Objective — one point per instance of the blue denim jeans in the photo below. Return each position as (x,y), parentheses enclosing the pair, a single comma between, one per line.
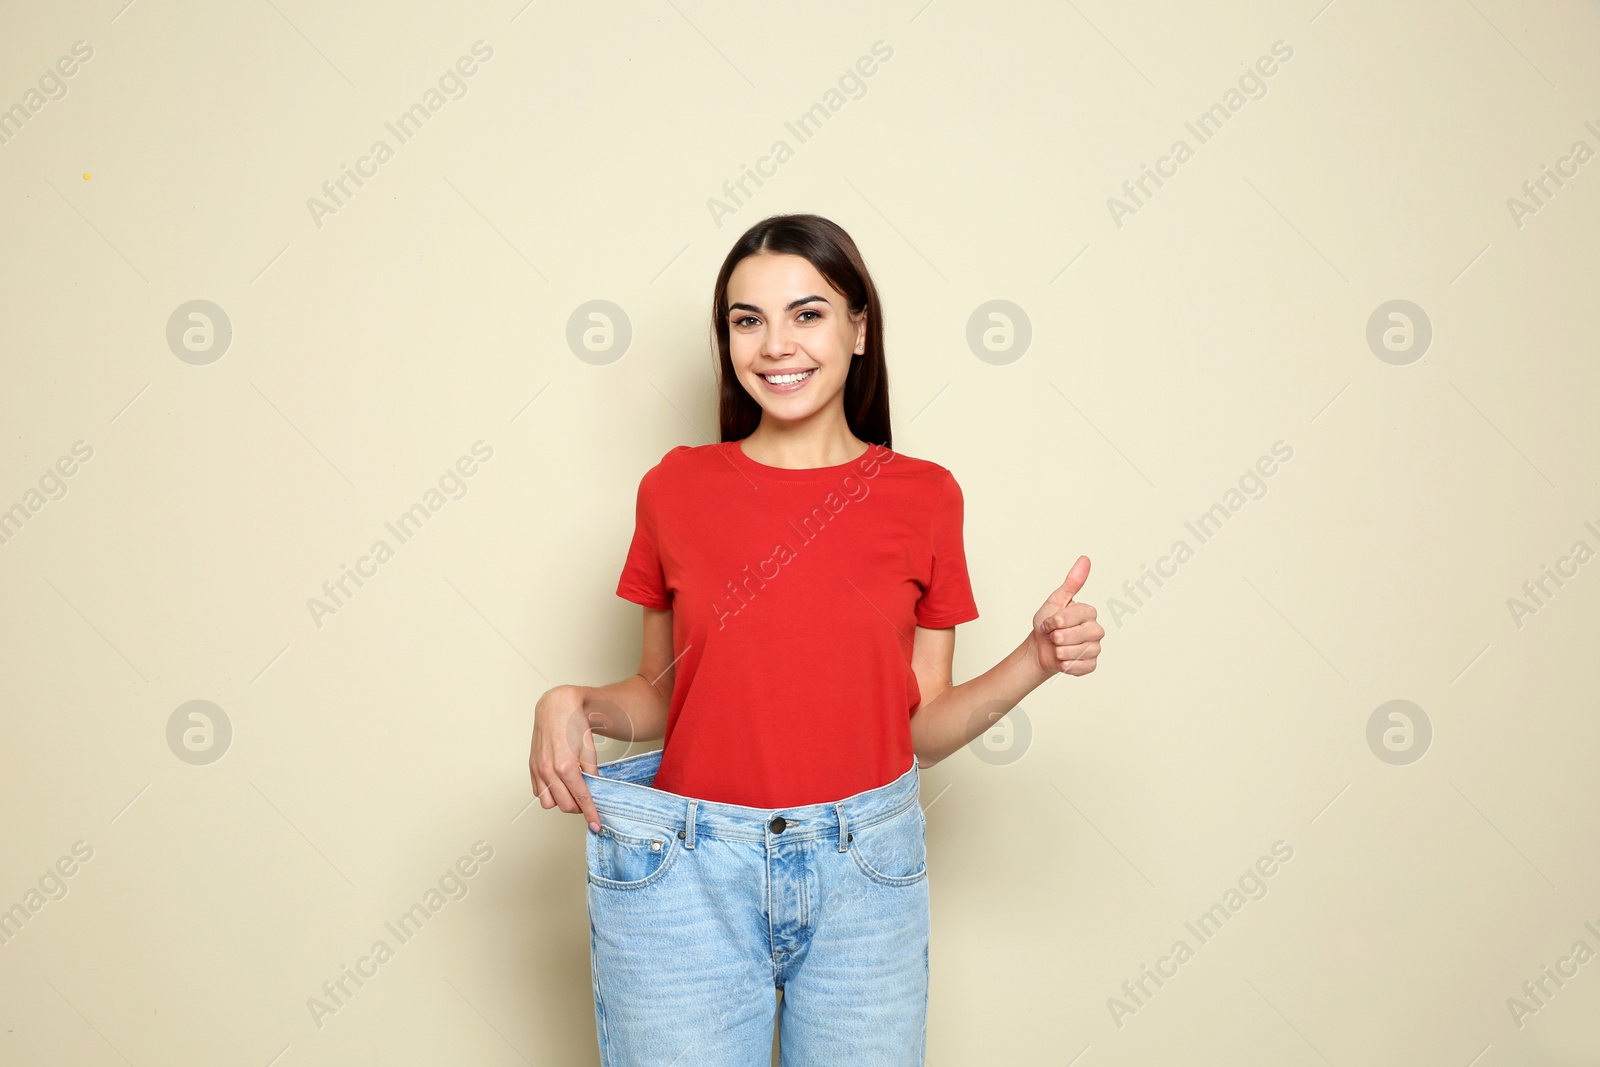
(699,911)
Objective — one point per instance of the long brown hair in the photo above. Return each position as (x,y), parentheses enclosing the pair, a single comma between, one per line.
(829,249)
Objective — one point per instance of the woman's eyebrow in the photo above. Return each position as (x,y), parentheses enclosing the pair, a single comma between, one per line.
(788,307)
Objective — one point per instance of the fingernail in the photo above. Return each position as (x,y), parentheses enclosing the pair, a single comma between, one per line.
(595,827)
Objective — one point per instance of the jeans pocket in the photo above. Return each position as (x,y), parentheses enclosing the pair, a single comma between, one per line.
(894,851)
(628,853)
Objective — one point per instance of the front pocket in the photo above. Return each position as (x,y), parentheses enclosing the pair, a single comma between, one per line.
(894,851)
(628,854)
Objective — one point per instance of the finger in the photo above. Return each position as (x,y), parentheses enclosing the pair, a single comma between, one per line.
(541,787)
(547,795)
(1072,615)
(1061,596)
(1072,654)
(588,761)
(1077,635)
(579,740)
(558,789)
(1075,578)
(573,780)
(577,737)
(1058,618)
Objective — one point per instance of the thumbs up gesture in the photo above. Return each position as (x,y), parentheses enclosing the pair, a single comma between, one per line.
(1066,639)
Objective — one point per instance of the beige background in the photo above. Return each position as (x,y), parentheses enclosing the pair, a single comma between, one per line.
(1228,312)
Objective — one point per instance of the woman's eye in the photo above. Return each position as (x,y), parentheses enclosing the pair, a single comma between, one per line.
(810,311)
(740,322)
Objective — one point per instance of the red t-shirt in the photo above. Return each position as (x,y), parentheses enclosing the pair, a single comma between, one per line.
(795,597)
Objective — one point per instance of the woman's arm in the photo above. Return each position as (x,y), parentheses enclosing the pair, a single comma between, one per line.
(1065,640)
(635,709)
(950,716)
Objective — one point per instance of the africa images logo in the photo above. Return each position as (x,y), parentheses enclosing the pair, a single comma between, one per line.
(811,525)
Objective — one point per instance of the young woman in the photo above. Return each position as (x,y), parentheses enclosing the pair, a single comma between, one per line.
(801,583)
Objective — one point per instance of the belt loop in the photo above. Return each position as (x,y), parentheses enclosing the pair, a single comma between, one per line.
(688,839)
(844,830)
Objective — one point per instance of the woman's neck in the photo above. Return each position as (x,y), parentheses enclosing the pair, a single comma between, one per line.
(800,449)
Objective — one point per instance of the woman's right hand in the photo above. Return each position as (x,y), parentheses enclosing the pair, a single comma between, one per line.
(563,747)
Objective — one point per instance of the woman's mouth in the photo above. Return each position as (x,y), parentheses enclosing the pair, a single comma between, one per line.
(788,381)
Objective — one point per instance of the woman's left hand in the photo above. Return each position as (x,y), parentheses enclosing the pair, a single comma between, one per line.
(1066,639)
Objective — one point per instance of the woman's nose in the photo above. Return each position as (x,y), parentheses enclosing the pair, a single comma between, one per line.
(778,341)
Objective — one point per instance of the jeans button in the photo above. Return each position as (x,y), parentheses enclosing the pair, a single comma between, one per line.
(777,824)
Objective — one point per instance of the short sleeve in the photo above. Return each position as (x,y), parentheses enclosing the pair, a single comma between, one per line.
(643,580)
(948,598)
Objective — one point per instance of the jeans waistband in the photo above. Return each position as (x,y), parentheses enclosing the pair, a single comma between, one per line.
(622,788)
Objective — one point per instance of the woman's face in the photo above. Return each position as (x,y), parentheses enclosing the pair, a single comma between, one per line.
(785,319)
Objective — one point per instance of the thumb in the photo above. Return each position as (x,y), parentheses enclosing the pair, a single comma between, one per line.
(1075,579)
(1063,594)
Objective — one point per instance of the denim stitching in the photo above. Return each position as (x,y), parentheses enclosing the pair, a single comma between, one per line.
(650,879)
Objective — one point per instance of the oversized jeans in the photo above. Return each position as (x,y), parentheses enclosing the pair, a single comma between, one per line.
(699,911)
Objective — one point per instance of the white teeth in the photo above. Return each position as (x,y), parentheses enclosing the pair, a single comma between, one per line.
(788,379)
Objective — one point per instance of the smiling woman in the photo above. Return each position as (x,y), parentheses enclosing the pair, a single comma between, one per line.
(786,329)
(787,785)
